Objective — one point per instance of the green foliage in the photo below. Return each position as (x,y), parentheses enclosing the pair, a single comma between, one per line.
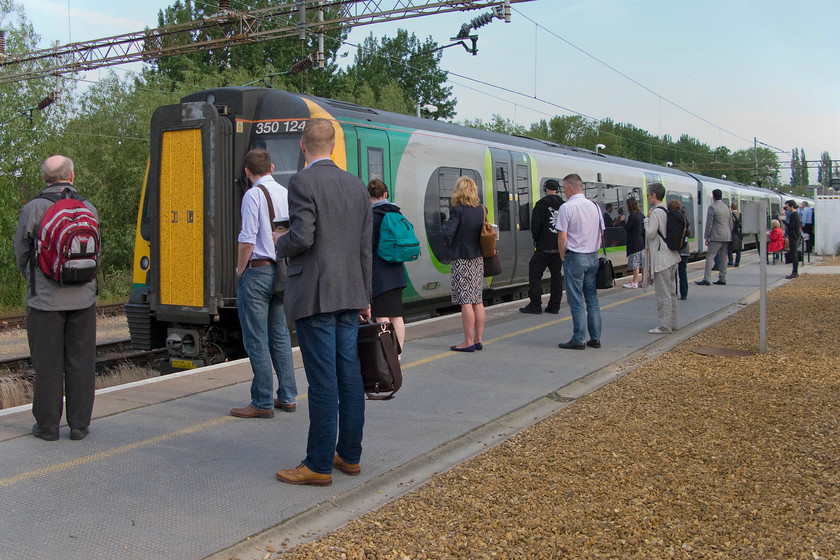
(825,171)
(403,61)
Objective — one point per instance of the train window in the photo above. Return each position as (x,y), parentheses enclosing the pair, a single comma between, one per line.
(523,193)
(503,196)
(614,207)
(652,178)
(285,155)
(436,205)
(376,163)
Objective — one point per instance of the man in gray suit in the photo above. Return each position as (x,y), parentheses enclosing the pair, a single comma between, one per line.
(329,285)
(718,235)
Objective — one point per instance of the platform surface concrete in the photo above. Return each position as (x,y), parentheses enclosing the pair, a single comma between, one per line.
(167,473)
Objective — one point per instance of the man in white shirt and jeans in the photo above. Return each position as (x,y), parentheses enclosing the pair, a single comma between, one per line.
(580,225)
(264,331)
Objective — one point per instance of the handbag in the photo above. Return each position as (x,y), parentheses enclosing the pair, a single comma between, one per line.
(488,237)
(606,277)
(492,266)
(378,349)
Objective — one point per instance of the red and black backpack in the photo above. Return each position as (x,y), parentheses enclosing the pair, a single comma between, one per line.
(67,246)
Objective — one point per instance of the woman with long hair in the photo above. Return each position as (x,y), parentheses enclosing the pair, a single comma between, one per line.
(461,233)
(635,227)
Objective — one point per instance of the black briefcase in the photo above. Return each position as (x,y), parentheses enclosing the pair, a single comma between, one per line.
(378,353)
(606,276)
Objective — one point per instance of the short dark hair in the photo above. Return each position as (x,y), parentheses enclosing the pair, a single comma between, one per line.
(377,189)
(258,162)
(551,185)
(717,194)
(658,190)
(791,203)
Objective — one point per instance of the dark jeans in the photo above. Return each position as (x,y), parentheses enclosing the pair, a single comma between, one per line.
(336,391)
(541,260)
(63,348)
(729,253)
(794,254)
(581,280)
(682,276)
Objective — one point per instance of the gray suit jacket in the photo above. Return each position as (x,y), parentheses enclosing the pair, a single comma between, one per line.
(329,242)
(718,222)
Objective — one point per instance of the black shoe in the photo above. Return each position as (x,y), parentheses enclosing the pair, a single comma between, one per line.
(572,345)
(532,309)
(792,275)
(735,265)
(703,283)
(593,343)
(715,268)
(79,433)
(553,309)
(719,283)
(684,298)
(41,434)
(730,264)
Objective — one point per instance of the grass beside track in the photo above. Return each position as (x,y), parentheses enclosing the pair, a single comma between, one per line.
(687,456)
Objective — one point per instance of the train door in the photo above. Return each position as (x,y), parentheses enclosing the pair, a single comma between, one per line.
(512,213)
(374,156)
(189,176)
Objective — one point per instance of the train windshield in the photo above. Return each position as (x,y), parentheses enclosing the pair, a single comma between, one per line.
(285,155)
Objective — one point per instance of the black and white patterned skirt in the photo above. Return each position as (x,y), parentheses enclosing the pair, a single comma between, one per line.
(467,280)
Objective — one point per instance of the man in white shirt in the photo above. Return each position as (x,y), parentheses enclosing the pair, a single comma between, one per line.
(580,226)
(264,331)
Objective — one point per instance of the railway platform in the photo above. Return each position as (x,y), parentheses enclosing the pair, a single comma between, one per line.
(167,473)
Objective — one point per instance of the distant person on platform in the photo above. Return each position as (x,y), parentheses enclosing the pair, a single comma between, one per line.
(662,261)
(545,252)
(580,230)
(793,227)
(806,216)
(736,244)
(718,235)
(264,331)
(327,290)
(634,225)
(608,219)
(60,321)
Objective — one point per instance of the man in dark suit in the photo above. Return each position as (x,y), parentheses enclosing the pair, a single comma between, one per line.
(328,247)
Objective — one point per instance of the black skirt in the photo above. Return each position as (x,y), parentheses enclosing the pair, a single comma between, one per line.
(387,304)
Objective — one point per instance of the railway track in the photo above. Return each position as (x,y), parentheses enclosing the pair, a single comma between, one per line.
(19,322)
(109,355)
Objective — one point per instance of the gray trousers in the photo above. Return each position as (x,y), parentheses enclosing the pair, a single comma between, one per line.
(665,286)
(63,348)
(711,252)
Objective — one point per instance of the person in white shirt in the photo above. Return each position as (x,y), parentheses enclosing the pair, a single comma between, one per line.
(264,331)
(580,225)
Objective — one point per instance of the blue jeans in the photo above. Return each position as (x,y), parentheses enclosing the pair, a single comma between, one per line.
(265,337)
(336,391)
(581,271)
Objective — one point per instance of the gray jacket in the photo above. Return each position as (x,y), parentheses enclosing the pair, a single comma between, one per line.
(49,295)
(718,223)
(329,243)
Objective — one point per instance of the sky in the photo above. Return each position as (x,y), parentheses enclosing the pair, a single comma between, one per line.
(726,72)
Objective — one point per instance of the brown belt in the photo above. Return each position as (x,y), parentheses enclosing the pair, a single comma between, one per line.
(260,262)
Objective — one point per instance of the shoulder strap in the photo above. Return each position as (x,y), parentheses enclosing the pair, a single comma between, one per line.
(666,222)
(270,204)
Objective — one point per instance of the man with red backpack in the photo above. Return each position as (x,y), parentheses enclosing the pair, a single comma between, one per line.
(61,301)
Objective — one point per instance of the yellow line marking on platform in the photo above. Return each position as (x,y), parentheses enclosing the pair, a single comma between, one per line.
(52,469)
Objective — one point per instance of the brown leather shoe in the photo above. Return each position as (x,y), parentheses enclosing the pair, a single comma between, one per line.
(251,411)
(346,468)
(302,475)
(285,407)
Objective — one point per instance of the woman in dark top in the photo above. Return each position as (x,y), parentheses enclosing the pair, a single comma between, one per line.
(388,278)
(461,233)
(635,227)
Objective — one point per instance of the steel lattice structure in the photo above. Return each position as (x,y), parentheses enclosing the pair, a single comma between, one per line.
(230,28)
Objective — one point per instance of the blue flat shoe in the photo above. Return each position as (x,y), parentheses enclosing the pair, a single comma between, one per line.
(479,346)
(470,348)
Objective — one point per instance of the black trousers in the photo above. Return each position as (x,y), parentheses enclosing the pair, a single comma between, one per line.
(63,347)
(536,266)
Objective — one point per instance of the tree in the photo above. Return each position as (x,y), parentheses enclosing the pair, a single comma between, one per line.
(794,168)
(413,65)
(804,179)
(824,172)
(252,60)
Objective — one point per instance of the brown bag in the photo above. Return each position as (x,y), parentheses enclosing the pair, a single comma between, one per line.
(488,237)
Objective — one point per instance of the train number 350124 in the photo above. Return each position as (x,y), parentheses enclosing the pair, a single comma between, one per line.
(279,127)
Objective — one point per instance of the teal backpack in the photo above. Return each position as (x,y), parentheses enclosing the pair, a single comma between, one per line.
(397,242)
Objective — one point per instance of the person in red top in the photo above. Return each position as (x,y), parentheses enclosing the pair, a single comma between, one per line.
(775,238)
